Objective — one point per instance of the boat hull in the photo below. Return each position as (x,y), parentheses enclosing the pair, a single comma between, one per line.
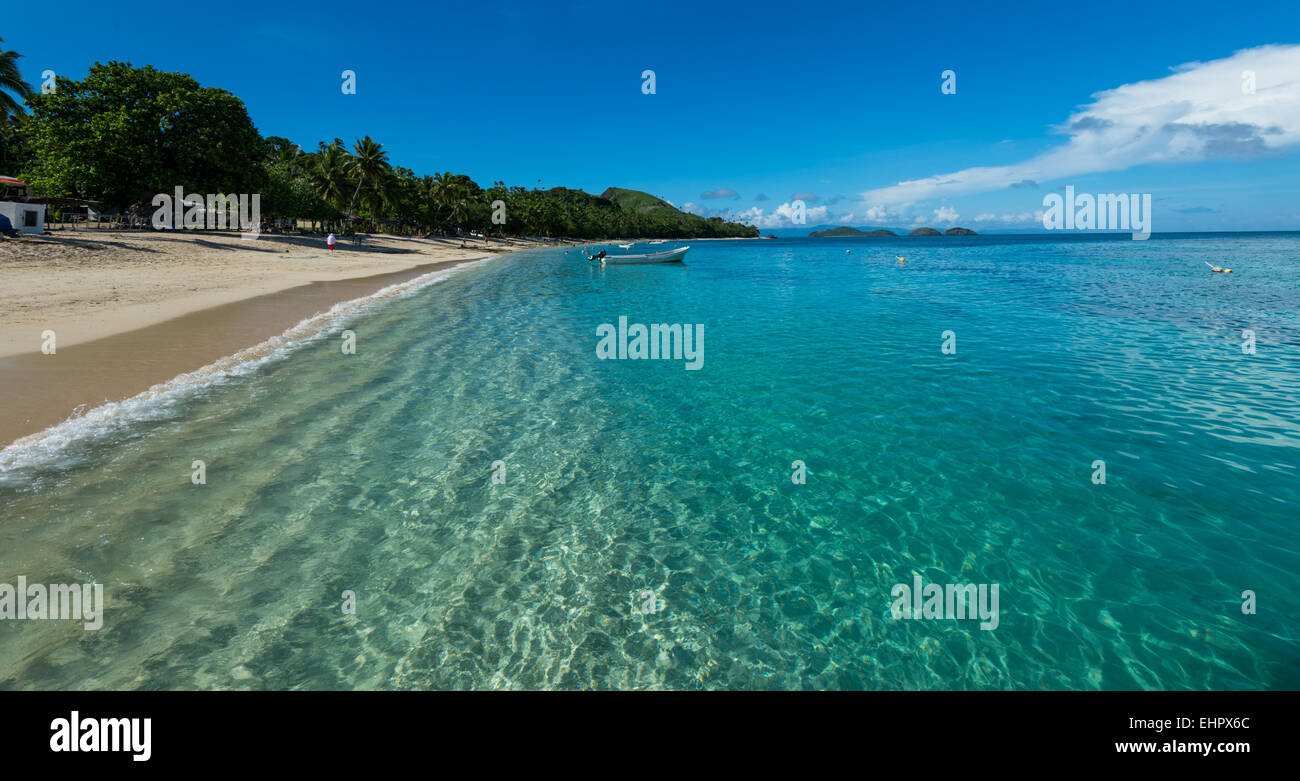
(672,256)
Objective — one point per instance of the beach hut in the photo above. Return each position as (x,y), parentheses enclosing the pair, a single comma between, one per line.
(11,187)
(26,217)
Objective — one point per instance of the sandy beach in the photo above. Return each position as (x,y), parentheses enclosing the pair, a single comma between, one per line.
(131,309)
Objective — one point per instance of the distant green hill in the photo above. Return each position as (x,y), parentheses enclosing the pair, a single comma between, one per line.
(636,201)
(844,230)
(658,218)
(949,232)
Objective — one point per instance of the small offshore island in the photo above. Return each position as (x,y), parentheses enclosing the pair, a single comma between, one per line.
(845,230)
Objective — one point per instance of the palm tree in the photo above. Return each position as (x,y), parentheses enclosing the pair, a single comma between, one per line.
(369,163)
(290,157)
(11,80)
(450,193)
(427,193)
(383,194)
(442,189)
(459,205)
(328,174)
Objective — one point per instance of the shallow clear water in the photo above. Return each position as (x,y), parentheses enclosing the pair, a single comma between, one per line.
(372,473)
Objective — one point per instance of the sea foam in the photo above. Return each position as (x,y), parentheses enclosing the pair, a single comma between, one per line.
(48,447)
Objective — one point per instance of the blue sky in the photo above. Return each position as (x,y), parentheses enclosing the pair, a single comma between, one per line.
(838,101)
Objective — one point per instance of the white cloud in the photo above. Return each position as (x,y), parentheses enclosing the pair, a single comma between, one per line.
(1023,218)
(1197,113)
(781,217)
(883,214)
(946,214)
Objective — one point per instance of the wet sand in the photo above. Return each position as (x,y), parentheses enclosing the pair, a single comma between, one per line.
(87,284)
(132,309)
(38,391)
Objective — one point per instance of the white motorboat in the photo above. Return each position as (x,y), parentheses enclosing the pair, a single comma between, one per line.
(671,256)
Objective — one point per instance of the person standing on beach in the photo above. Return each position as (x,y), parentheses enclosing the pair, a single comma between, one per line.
(330,242)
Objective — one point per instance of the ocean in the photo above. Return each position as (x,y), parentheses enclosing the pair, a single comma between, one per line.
(1097,430)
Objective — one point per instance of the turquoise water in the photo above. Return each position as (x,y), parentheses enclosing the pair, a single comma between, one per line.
(372,473)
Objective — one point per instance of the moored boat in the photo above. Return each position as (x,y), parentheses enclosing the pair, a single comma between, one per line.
(671,256)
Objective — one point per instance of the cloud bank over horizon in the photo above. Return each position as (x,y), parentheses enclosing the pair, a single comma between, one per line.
(1202,111)
(1239,107)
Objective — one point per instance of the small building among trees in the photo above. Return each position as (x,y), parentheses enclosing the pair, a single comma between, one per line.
(25,216)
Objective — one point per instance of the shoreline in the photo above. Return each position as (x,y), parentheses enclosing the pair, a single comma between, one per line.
(86,285)
(211,299)
(153,345)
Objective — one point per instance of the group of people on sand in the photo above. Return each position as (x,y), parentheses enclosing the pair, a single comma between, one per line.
(331,240)
(486,241)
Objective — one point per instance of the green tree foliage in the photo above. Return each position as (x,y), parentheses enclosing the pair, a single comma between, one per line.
(11,81)
(374,174)
(125,134)
(563,212)
(287,189)
(13,138)
(327,169)
(13,145)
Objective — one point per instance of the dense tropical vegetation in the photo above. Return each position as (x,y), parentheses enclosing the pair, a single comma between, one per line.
(12,144)
(11,80)
(124,134)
